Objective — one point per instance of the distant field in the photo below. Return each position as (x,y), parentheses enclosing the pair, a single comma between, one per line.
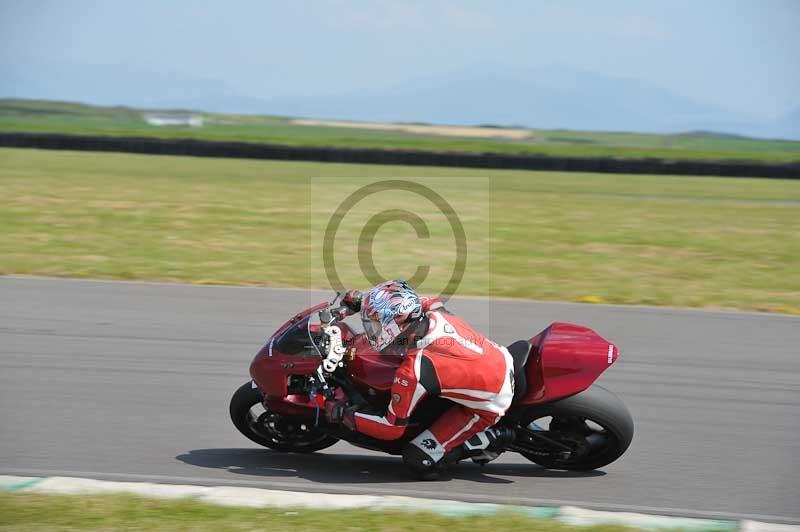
(54,117)
(661,240)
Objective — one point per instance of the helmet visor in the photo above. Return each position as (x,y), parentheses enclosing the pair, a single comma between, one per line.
(373,330)
(378,335)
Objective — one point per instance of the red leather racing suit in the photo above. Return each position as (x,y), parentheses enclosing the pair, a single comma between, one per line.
(455,362)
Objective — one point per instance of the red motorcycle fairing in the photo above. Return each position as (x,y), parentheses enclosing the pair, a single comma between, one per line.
(371,369)
(289,353)
(565,360)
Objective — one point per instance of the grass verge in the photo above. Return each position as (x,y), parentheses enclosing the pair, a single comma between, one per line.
(660,240)
(32,512)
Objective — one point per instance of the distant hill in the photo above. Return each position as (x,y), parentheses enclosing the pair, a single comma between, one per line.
(549,98)
(545,98)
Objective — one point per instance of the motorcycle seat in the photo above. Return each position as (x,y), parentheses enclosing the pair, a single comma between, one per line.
(520,351)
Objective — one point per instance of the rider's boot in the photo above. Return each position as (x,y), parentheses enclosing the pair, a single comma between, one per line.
(421,464)
(427,461)
(486,446)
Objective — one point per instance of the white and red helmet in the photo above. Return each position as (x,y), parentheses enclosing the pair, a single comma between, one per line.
(388,310)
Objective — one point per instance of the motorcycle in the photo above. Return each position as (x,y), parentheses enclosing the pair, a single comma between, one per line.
(560,419)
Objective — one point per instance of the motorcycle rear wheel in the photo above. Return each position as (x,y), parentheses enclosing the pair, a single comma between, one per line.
(273,430)
(595,422)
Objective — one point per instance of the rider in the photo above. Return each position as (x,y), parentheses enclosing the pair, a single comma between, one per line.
(442,356)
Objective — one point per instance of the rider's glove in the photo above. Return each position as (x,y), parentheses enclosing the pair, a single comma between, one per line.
(337,412)
(352,301)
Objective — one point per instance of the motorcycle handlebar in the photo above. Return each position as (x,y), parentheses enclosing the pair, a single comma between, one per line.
(330,315)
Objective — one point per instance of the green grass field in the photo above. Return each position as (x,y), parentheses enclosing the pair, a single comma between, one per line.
(29,512)
(56,117)
(660,240)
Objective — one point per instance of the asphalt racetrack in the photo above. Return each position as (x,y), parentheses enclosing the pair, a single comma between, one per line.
(131,381)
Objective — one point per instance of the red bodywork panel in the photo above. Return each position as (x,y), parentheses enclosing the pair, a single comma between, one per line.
(271,369)
(371,369)
(565,359)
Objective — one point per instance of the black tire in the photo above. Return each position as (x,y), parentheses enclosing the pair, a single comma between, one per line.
(601,407)
(253,428)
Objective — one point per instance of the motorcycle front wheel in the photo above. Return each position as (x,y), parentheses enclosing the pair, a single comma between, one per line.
(583,432)
(273,430)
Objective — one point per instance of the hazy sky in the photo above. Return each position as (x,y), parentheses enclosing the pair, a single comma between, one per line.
(740,55)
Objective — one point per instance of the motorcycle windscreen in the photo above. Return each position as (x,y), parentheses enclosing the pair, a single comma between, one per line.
(295,340)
